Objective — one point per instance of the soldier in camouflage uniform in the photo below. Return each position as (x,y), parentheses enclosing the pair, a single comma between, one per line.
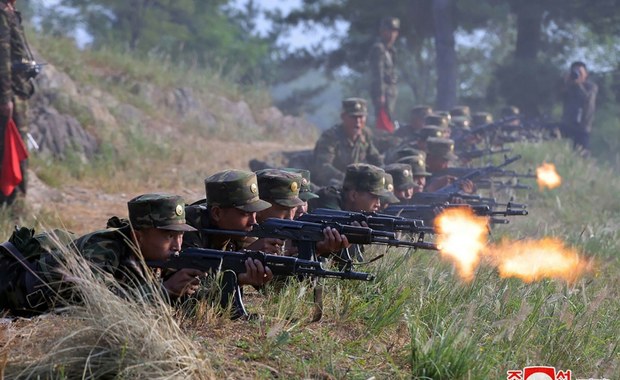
(16,86)
(408,132)
(154,231)
(363,186)
(382,61)
(344,144)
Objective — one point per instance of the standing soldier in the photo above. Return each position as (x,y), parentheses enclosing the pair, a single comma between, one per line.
(382,62)
(17,69)
(344,144)
(579,104)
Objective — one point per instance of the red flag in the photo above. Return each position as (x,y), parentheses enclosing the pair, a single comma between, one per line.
(14,153)
(384,122)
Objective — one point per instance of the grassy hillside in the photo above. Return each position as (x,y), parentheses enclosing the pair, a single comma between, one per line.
(417,320)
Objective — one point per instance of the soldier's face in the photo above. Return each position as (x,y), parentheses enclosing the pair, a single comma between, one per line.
(158,244)
(363,201)
(231,218)
(404,194)
(300,210)
(278,212)
(389,36)
(353,124)
(420,183)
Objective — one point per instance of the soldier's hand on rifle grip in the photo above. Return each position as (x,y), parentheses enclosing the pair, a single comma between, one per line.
(255,273)
(184,282)
(468,186)
(267,245)
(333,242)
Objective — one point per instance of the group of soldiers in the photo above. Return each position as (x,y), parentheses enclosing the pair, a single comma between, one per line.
(162,226)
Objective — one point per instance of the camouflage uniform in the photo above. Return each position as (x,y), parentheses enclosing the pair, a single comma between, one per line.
(408,132)
(383,77)
(111,251)
(334,151)
(15,86)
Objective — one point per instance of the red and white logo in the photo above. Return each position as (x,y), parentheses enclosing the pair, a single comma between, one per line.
(538,373)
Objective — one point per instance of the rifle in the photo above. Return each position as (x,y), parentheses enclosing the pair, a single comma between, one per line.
(425,198)
(483,172)
(431,210)
(211,261)
(374,220)
(306,234)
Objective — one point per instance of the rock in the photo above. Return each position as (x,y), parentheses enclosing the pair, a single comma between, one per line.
(57,133)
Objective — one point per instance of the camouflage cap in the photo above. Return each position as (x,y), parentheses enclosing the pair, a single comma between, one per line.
(508,111)
(441,148)
(234,188)
(438,120)
(421,111)
(429,131)
(390,23)
(305,191)
(463,111)
(365,177)
(389,197)
(355,106)
(279,187)
(163,211)
(402,175)
(418,165)
(461,122)
(481,118)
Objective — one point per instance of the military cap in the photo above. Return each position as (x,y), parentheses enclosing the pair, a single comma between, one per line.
(421,111)
(365,177)
(389,196)
(305,190)
(481,118)
(445,114)
(163,211)
(402,175)
(395,154)
(417,164)
(429,131)
(442,148)
(461,111)
(436,119)
(508,111)
(279,187)
(235,188)
(390,23)
(355,106)
(461,122)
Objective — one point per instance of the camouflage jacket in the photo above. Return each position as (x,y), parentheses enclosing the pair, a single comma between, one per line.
(334,151)
(197,216)
(112,251)
(329,197)
(12,50)
(383,77)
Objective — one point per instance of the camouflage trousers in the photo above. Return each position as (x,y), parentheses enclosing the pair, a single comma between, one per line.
(20,109)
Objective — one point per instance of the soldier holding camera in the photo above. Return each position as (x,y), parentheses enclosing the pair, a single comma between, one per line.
(579,101)
(17,69)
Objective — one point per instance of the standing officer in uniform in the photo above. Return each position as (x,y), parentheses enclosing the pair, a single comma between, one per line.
(17,69)
(579,103)
(382,60)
